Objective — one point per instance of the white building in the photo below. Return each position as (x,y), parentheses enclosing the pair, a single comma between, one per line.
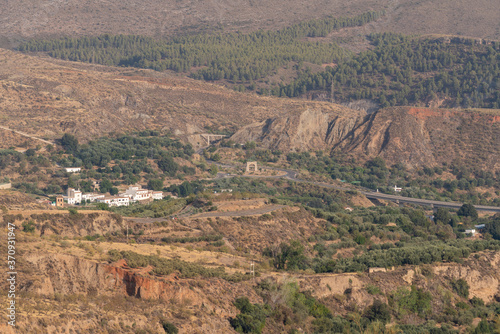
(92,197)
(157,194)
(472,232)
(397,189)
(137,194)
(73,169)
(73,196)
(115,201)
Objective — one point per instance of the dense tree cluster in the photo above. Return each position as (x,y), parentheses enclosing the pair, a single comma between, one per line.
(399,70)
(403,70)
(101,151)
(412,254)
(231,56)
(128,156)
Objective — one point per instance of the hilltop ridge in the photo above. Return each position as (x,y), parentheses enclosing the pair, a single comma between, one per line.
(24,19)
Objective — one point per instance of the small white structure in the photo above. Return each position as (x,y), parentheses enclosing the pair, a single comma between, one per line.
(5,185)
(73,169)
(397,189)
(115,201)
(471,231)
(92,197)
(157,195)
(74,196)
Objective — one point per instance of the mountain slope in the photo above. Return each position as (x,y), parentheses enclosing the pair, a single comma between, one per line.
(46,97)
(34,18)
(425,136)
(413,136)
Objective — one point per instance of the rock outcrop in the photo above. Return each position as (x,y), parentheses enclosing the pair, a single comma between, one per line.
(312,129)
(409,135)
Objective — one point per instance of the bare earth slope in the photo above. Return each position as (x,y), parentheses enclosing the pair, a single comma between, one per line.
(414,136)
(68,284)
(34,18)
(425,136)
(46,98)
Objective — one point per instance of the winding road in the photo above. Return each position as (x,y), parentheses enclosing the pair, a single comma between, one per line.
(26,135)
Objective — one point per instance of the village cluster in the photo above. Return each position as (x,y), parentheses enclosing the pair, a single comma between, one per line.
(131,195)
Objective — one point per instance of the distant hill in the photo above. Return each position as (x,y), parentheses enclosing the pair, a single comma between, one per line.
(23,19)
(47,97)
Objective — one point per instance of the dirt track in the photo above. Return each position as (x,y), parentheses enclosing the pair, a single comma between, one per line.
(258,211)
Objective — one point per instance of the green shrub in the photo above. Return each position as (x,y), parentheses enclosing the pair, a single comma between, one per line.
(413,301)
(252,318)
(460,287)
(168,327)
(372,289)
(378,311)
(29,226)
(476,302)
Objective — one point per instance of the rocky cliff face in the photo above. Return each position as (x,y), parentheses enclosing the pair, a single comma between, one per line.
(58,274)
(312,129)
(426,137)
(66,275)
(413,136)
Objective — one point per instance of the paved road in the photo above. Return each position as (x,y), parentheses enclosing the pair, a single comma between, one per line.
(292,175)
(431,203)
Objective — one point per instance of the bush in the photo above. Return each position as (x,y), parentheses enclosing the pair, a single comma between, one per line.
(252,318)
(378,311)
(413,301)
(155,184)
(372,289)
(102,206)
(70,143)
(461,287)
(168,166)
(493,227)
(467,210)
(169,327)
(476,302)
(29,227)
(288,256)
